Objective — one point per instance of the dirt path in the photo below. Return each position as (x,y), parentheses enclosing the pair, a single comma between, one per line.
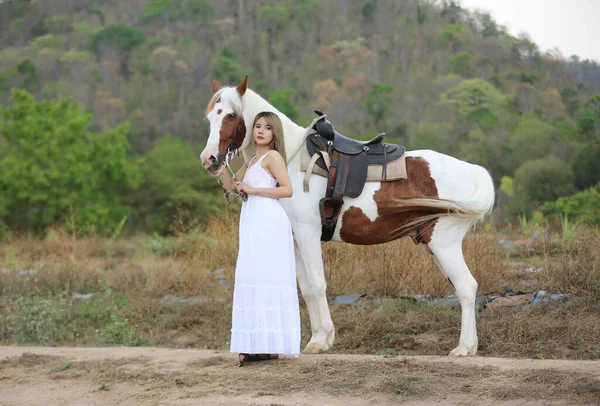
(159,376)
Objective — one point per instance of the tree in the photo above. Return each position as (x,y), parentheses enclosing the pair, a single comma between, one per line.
(226,69)
(25,71)
(472,94)
(120,37)
(583,206)
(51,163)
(540,180)
(274,17)
(489,26)
(282,100)
(586,166)
(532,139)
(167,10)
(461,64)
(449,34)
(172,179)
(586,123)
(593,103)
(379,102)
(569,98)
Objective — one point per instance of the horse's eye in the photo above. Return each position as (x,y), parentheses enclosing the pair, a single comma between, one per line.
(231,116)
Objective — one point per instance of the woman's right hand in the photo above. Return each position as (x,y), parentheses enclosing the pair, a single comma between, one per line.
(243,188)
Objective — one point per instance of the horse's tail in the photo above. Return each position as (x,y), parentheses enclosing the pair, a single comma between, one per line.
(472,208)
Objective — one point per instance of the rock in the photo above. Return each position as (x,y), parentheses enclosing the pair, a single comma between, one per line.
(511,301)
(346,299)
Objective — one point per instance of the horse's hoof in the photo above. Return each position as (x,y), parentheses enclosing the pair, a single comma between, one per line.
(461,352)
(314,349)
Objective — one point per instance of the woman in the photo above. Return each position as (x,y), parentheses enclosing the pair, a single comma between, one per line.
(266,317)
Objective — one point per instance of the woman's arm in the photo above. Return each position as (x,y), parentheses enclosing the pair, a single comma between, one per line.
(276,166)
(227,180)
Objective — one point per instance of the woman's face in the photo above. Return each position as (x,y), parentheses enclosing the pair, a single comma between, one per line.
(262,132)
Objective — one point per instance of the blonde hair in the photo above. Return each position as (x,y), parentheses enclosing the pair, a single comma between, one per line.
(274,122)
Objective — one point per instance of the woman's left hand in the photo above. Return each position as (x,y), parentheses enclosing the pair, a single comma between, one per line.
(244,188)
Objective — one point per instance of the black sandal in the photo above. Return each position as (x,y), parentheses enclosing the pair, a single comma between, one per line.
(255,357)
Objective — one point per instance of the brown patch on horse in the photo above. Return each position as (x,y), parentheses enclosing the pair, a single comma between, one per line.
(228,131)
(357,228)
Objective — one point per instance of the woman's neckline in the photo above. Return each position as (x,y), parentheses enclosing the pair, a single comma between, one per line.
(258,158)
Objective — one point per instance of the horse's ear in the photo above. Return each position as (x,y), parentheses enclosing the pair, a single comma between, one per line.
(241,88)
(216,86)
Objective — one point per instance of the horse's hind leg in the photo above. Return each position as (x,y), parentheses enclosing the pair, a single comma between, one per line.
(311,279)
(446,246)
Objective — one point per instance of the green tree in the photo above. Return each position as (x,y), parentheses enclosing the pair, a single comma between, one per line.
(538,181)
(226,69)
(449,34)
(173,179)
(593,103)
(429,138)
(530,78)
(48,41)
(51,163)
(274,17)
(198,10)
(379,102)
(461,64)
(489,26)
(369,9)
(421,12)
(532,139)
(25,71)
(470,95)
(583,206)
(586,123)
(586,166)
(283,101)
(120,37)
(168,10)
(569,98)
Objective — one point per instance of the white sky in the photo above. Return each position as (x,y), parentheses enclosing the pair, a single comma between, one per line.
(572,26)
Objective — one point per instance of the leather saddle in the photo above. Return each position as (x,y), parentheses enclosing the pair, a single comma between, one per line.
(347,161)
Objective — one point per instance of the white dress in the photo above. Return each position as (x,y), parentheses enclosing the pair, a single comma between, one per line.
(266,316)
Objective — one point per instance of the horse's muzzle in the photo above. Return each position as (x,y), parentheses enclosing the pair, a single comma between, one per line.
(215,164)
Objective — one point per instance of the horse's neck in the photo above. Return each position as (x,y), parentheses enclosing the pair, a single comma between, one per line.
(293,133)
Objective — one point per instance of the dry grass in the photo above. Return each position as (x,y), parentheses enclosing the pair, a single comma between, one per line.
(573,266)
(134,277)
(400,267)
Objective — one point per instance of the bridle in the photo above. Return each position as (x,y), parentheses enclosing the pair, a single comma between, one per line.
(232,150)
(236,142)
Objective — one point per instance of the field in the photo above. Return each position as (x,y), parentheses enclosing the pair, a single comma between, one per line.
(73,290)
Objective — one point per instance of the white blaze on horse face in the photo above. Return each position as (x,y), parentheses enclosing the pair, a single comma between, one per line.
(215,118)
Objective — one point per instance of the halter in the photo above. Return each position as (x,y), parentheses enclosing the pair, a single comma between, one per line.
(234,145)
(232,150)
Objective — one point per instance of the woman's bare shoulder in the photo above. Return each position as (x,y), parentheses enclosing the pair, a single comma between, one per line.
(274,156)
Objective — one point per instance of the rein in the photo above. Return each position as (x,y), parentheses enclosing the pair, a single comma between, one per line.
(233,147)
(232,150)
(309,130)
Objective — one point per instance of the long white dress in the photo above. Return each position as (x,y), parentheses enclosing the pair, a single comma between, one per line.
(266,316)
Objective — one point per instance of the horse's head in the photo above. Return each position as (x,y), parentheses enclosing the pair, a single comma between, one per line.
(227,126)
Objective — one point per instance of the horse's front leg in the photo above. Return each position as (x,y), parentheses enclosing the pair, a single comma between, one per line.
(311,278)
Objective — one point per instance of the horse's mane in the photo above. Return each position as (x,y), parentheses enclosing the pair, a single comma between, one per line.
(226,95)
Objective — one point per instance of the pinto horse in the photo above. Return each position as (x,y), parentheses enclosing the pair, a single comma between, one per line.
(439,201)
